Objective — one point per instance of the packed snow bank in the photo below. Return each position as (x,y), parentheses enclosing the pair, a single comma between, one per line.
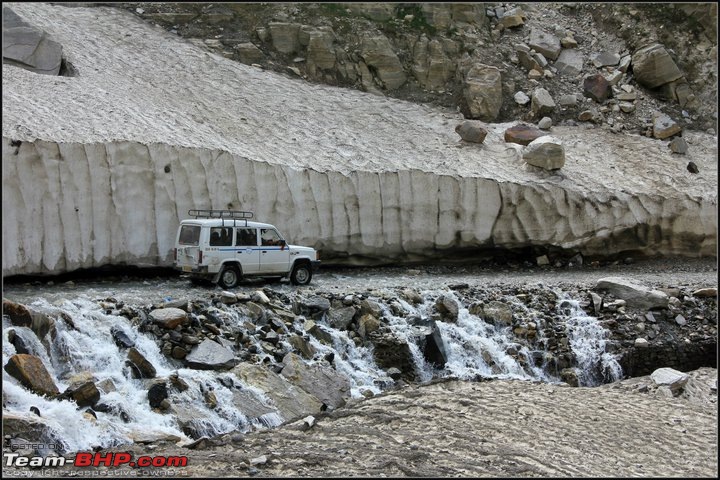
(101,167)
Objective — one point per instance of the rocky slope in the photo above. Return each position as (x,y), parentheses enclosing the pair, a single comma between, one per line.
(101,163)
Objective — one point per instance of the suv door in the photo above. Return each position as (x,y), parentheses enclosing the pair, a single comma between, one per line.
(274,254)
(246,251)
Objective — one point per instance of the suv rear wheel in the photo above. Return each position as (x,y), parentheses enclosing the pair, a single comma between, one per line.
(229,277)
(301,274)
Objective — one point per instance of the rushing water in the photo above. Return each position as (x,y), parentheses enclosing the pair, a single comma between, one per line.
(474,349)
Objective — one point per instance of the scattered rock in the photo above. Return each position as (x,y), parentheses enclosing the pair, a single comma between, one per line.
(521,98)
(522,134)
(692,168)
(542,102)
(30,371)
(169,317)
(597,88)
(545,152)
(678,145)
(671,378)
(210,355)
(635,295)
(545,43)
(545,123)
(570,62)
(471,131)
(483,92)
(139,365)
(705,292)
(664,126)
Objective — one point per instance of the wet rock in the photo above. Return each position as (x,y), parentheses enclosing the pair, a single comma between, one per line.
(433,346)
(482,92)
(30,371)
(570,376)
(291,401)
(671,378)
(522,134)
(367,324)
(28,47)
(341,318)
(318,331)
(597,88)
(391,351)
(19,314)
(156,394)
(412,296)
(85,395)
(331,387)
(448,308)
(121,338)
(140,366)
(471,131)
(664,126)
(653,66)
(542,103)
(636,296)
(169,317)
(311,306)
(569,63)
(545,43)
(370,306)
(301,345)
(210,355)
(545,152)
(35,429)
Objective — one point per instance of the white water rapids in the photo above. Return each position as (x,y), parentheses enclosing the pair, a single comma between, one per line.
(474,349)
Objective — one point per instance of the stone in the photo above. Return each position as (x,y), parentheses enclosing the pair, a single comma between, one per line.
(678,145)
(169,317)
(705,292)
(586,115)
(671,378)
(28,47)
(341,318)
(535,74)
(604,59)
(482,92)
(542,260)
(567,100)
(545,123)
(448,308)
(522,134)
(545,152)
(471,131)
(521,98)
(141,366)
(542,103)
(664,126)
(512,21)
(377,53)
(431,66)
(625,63)
(367,324)
(331,387)
(156,394)
(545,43)
(121,338)
(249,53)
(597,88)
(19,314)
(30,371)
(627,107)
(692,167)
(85,395)
(285,36)
(653,66)
(210,355)
(569,63)
(680,320)
(635,295)
(527,60)
(568,42)
(641,343)
(302,345)
(320,50)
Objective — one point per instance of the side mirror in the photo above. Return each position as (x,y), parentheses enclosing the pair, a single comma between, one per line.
(283,243)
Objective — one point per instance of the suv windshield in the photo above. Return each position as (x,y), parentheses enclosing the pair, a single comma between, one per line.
(190,235)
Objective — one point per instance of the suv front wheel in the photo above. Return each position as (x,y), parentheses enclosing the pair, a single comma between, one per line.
(230,277)
(301,274)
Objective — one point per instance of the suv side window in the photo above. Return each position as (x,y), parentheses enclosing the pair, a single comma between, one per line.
(221,236)
(269,236)
(246,237)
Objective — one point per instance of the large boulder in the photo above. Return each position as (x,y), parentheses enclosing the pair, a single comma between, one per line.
(545,152)
(635,295)
(29,47)
(30,371)
(653,66)
(210,355)
(331,387)
(671,378)
(377,52)
(431,66)
(545,43)
(320,50)
(169,317)
(285,36)
(483,92)
(291,401)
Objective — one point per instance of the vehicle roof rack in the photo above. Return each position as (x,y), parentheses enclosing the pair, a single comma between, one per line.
(222,214)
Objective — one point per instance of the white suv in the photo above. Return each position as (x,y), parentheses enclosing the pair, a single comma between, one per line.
(223,246)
